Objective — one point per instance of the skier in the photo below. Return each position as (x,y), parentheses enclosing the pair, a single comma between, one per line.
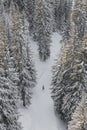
(43,87)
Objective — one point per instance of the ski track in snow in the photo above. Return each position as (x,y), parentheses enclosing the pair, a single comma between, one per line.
(40,114)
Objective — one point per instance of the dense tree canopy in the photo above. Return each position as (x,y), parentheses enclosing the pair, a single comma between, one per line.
(21,20)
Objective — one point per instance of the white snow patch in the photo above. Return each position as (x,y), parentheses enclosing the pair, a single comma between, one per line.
(40,115)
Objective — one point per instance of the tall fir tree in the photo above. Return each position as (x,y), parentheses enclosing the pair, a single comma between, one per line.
(79,117)
(8,106)
(29,7)
(68,78)
(42,28)
(62,16)
(8,96)
(26,69)
(20,68)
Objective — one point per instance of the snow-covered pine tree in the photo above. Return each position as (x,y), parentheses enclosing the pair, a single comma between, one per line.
(78,68)
(20,66)
(68,82)
(59,13)
(61,80)
(27,75)
(51,5)
(70,87)
(62,13)
(66,31)
(42,28)
(29,6)
(18,3)
(27,80)
(79,117)
(79,16)
(25,67)
(8,107)
(57,92)
(9,46)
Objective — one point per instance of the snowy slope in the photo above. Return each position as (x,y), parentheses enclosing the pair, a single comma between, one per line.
(40,115)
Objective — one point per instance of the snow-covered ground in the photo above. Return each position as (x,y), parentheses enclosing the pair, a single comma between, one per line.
(40,115)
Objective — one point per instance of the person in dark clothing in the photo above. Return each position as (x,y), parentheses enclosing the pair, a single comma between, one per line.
(43,87)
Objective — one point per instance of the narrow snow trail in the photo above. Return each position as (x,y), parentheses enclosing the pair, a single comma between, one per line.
(40,115)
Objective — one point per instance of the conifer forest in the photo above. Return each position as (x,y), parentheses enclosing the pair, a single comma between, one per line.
(43,64)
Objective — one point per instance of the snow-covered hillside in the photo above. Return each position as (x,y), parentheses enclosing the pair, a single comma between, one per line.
(40,115)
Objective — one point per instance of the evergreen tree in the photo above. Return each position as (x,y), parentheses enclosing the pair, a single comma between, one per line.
(62,16)
(68,78)
(51,4)
(8,107)
(79,117)
(26,70)
(27,76)
(8,94)
(29,6)
(63,83)
(42,28)
(20,68)
(79,17)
